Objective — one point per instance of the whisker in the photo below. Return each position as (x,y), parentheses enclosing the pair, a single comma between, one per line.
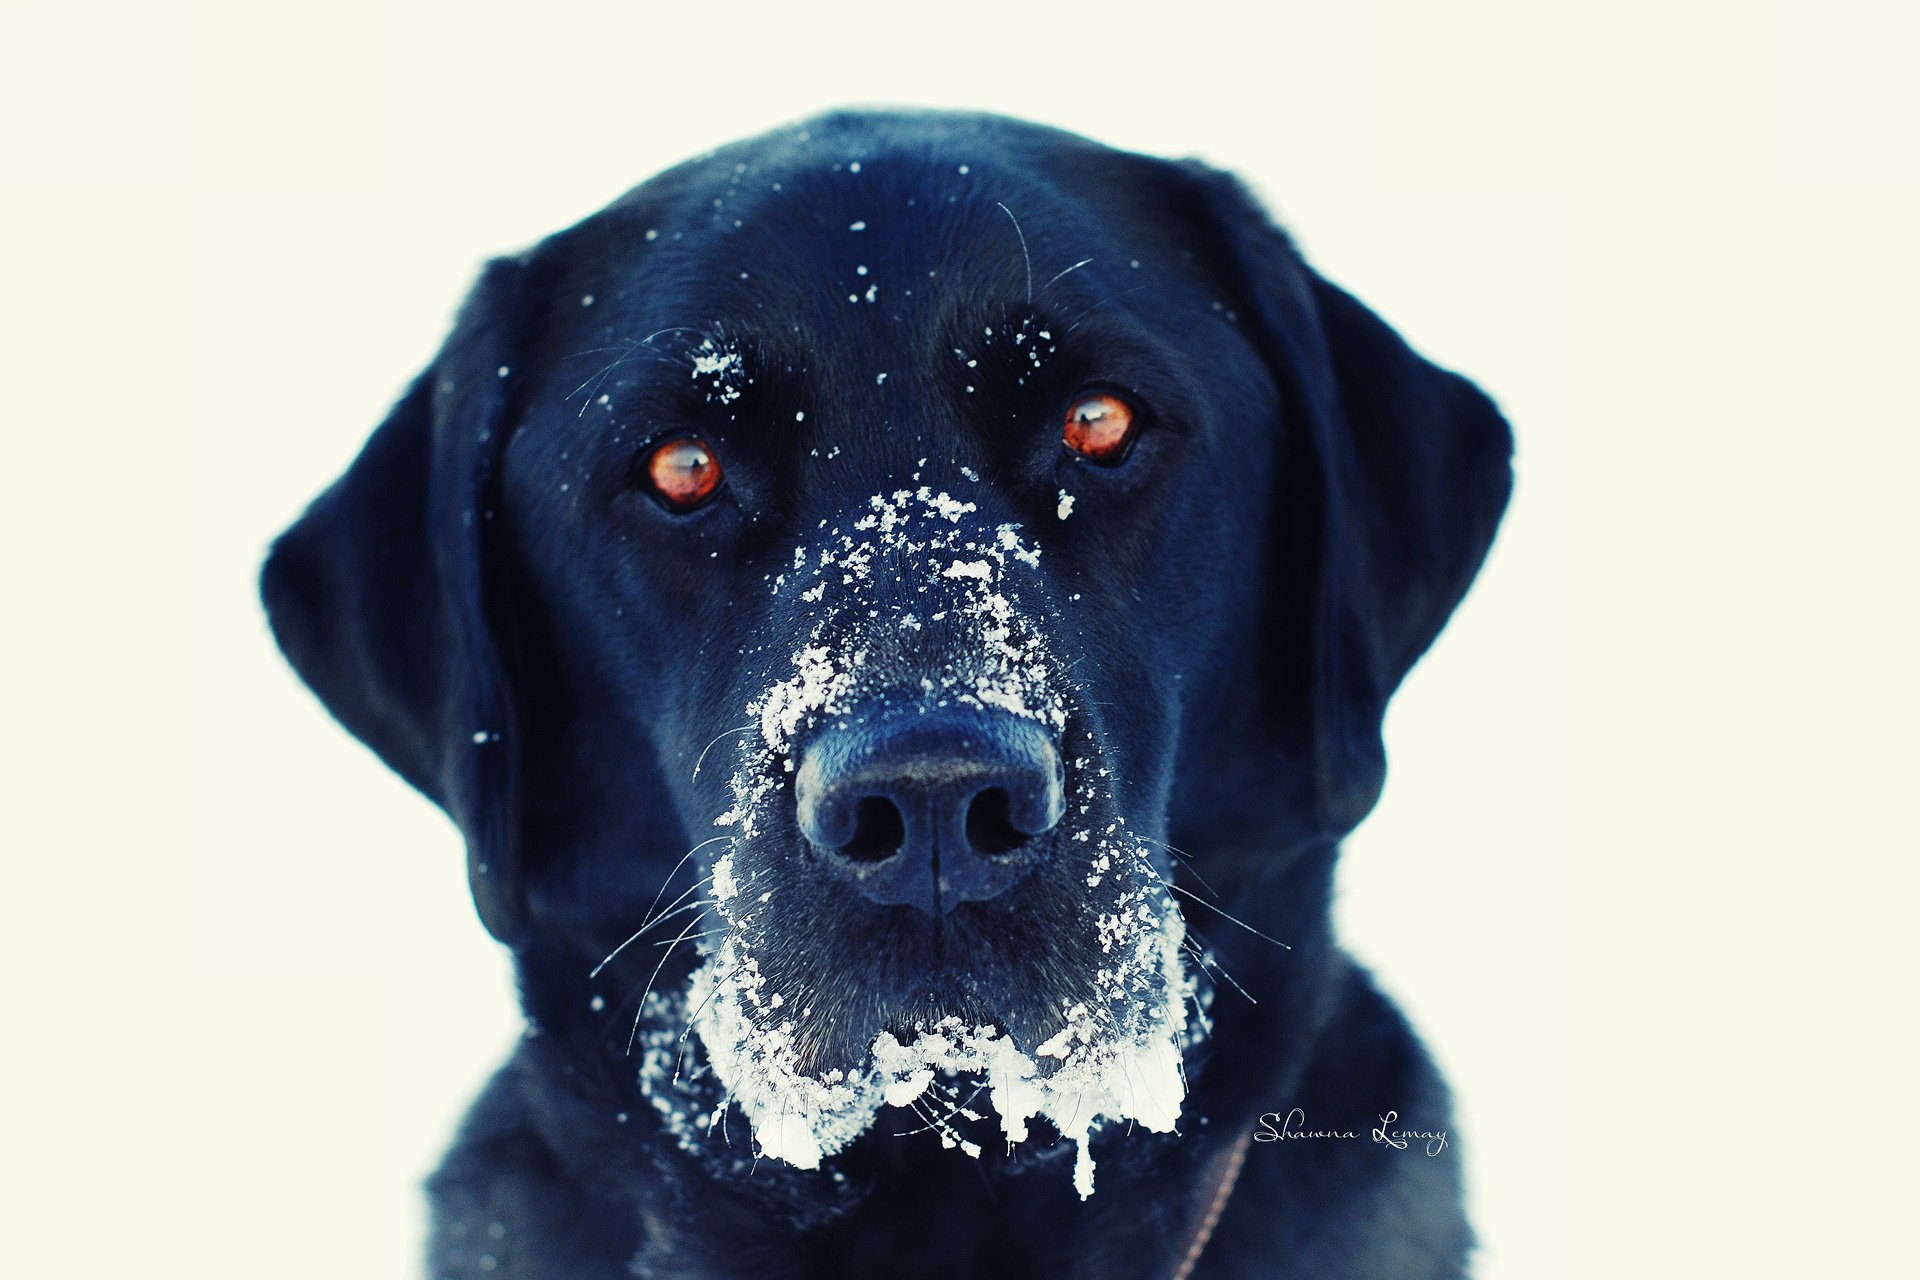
(637,1013)
(676,870)
(1185,857)
(596,351)
(961,1104)
(696,904)
(1096,306)
(681,1045)
(710,746)
(636,935)
(1024,257)
(677,328)
(673,907)
(706,933)
(1213,966)
(625,351)
(1223,914)
(701,1007)
(1069,271)
(592,384)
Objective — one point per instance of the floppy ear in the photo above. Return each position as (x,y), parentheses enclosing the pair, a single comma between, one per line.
(380,594)
(1400,471)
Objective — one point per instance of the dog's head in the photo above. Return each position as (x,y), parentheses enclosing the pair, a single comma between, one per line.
(829,580)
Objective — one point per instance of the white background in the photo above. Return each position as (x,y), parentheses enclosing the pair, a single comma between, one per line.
(1644,872)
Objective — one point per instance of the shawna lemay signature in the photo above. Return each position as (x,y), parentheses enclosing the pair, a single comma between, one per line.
(1292,1127)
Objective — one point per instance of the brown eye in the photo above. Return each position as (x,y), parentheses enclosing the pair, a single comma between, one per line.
(684,472)
(1099,427)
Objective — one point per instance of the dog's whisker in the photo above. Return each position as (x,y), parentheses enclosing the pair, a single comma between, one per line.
(611,955)
(718,982)
(661,892)
(667,955)
(711,745)
(682,910)
(960,1104)
(673,909)
(679,328)
(625,351)
(592,384)
(1096,306)
(698,904)
(1213,967)
(705,933)
(596,351)
(1024,256)
(1194,897)
(934,1124)
(1187,859)
(694,1015)
(1063,274)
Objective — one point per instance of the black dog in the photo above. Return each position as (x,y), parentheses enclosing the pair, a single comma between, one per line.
(1011,544)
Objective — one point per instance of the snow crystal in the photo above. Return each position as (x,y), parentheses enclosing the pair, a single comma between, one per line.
(723,365)
(970,569)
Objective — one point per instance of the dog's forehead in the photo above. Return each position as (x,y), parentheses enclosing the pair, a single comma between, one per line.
(843,262)
(814,263)
(800,212)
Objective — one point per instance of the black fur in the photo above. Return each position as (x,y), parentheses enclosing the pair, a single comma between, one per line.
(490,601)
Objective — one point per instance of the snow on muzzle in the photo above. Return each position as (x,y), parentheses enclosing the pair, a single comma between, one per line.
(908,569)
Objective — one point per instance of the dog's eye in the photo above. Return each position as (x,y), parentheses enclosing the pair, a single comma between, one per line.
(1099,426)
(684,472)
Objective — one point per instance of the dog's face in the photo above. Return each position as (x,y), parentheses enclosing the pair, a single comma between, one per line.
(832,579)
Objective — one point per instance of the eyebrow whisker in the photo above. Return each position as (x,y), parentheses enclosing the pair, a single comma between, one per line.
(1024,256)
(1062,275)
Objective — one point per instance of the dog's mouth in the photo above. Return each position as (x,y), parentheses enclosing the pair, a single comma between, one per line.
(1053,993)
(811,1067)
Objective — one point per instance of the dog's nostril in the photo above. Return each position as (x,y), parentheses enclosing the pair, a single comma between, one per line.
(931,809)
(990,826)
(878,830)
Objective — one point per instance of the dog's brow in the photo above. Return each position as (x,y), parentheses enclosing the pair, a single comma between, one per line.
(622,352)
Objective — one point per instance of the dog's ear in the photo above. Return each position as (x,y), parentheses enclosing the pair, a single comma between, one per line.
(384,598)
(1393,475)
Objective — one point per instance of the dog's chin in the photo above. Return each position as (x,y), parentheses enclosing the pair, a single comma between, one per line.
(986,1048)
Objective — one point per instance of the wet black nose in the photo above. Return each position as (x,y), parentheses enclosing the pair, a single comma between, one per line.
(931,810)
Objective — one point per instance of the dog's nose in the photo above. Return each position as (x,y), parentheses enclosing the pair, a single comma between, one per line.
(931,810)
